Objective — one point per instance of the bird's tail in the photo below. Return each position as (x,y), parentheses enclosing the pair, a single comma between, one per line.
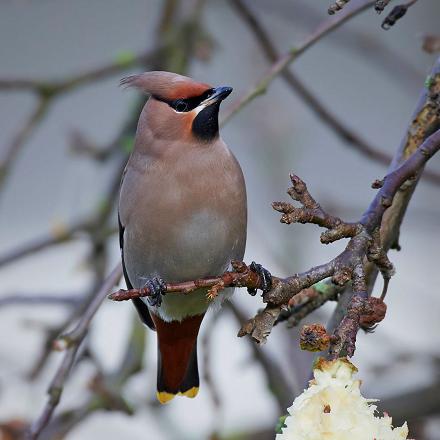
(177,370)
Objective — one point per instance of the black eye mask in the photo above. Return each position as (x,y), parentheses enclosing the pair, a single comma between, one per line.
(186,105)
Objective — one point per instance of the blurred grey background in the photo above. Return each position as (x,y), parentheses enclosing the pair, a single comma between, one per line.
(368,77)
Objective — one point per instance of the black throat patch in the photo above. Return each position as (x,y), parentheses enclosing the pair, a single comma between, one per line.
(205,124)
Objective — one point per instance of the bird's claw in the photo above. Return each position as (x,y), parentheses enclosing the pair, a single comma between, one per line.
(157,288)
(265,278)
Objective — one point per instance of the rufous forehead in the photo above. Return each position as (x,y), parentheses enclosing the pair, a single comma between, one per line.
(186,90)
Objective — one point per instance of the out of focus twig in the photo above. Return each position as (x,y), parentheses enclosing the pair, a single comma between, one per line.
(209,373)
(396,14)
(11,152)
(338,126)
(72,341)
(285,60)
(277,382)
(33,299)
(54,87)
(381,5)
(107,388)
(60,234)
(431,43)
(336,6)
(48,90)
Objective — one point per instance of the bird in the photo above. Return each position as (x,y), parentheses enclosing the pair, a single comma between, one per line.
(182,216)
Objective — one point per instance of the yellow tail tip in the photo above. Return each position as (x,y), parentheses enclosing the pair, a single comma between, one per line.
(164,397)
(191,393)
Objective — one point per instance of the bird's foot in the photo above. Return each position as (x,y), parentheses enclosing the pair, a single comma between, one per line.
(265,278)
(157,288)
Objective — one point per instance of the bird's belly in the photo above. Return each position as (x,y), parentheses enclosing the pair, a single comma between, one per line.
(199,245)
(202,246)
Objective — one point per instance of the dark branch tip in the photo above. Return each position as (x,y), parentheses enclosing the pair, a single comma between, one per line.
(377,184)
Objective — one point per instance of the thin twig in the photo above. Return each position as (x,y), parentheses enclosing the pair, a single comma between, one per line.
(348,264)
(285,60)
(107,388)
(208,376)
(276,380)
(11,151)
(59,235)
(47,91)
(307,301)
(51,88)
(396,14)
(73,341)
(41,299)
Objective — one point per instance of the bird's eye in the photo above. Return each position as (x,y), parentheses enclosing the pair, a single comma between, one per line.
(181,106)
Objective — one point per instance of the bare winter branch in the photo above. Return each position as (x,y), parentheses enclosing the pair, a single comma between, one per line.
(242,276)
(349,264)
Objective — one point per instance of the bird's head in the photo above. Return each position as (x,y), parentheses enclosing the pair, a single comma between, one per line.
(179,108)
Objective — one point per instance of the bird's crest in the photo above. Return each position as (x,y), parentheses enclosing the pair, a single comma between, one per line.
(165,85)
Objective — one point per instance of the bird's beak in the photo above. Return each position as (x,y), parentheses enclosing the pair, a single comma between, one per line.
(220,93)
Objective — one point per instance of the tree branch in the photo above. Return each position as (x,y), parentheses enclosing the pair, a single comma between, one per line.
(349,264)
(241,276)
(425,120)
